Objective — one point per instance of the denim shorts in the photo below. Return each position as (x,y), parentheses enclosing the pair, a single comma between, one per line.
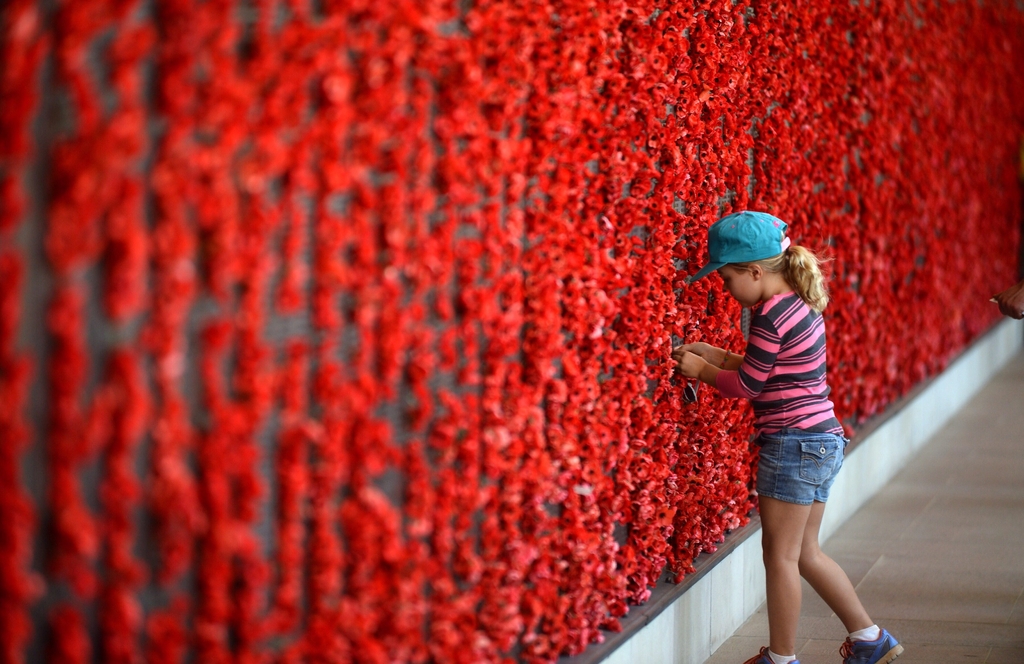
(798,466)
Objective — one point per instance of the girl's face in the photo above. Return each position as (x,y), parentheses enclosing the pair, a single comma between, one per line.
(742,284)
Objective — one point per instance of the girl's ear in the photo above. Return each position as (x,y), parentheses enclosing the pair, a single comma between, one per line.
(756,271)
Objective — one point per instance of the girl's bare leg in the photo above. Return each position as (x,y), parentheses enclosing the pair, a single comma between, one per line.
(782,534)
(827,578)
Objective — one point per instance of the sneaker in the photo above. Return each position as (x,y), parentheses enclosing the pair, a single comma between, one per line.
(881,651)
(763,658)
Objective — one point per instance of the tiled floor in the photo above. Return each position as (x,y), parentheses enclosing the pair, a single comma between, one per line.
(938,555)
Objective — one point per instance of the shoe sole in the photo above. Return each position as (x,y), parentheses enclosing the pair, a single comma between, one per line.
(892,654)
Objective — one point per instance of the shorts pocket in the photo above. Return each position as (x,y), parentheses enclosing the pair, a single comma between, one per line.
(817,460)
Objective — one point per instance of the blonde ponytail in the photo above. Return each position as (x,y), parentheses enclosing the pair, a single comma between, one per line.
(802,271)
(801,268)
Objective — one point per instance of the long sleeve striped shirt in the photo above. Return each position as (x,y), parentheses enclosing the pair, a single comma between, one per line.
(783,373)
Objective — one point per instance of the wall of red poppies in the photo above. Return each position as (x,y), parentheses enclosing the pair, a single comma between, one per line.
(339,332)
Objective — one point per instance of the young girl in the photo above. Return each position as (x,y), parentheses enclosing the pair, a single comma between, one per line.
(801,442)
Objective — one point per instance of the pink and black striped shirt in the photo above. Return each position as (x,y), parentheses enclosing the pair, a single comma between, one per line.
(783,373)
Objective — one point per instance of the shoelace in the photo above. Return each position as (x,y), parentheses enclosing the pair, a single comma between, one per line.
(753,660)
(846,650)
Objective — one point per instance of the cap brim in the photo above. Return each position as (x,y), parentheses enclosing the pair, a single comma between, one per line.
(704,271)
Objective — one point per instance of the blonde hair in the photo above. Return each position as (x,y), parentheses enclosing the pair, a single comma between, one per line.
(801,268)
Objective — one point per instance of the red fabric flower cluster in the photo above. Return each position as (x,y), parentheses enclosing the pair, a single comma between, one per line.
(359,315)
(23,49)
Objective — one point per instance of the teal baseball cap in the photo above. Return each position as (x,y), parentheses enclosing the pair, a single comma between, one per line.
(742,237)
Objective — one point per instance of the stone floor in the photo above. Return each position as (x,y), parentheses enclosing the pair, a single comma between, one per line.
(938,555)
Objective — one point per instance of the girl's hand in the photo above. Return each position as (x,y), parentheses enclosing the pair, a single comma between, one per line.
(700,349)
(690,364)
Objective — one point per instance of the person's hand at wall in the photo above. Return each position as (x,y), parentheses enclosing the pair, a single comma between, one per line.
(700,349)
(1011,301)
(689,364)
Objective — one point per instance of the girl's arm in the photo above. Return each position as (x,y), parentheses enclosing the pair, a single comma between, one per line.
(709,374)
(762,351)
(730,361)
